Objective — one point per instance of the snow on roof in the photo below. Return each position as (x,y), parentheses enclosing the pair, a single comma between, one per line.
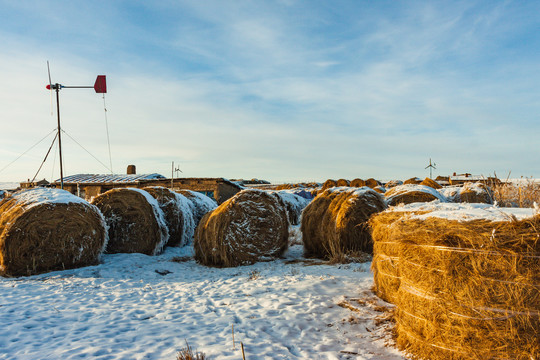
(466,211)
(121,178)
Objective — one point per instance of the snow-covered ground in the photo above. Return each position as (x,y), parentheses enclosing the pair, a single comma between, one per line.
(134,306)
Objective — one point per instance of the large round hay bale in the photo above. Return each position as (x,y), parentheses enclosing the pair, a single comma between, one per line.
(407,194)
(372,183)
(412,181)
(431,183)
(169,203)
(330,183)
(45,229)
(294,204)
(451,193)
(343,182)
(335,222)
(393,183)
(136,222)
(202,204)
(476,193)
(469,282)
(358,183)
(249,227)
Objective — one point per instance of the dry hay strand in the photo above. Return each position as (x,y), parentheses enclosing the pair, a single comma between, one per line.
(336,222)
(174,217)
(136,222)
(431,183)
(45,229)
(412,181)
(407,194)
(469,290)
(343,182)
(393,183)
(202,204)
(358,183)
(372,183)
(329,184)
(476,193)
(249,227)
(294,205)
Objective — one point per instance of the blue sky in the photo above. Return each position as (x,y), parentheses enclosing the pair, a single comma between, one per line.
(279,90)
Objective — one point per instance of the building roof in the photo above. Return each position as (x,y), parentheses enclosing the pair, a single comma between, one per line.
(118,179)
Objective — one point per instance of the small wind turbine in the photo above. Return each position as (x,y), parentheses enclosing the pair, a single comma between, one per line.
(100,86)
(431,167)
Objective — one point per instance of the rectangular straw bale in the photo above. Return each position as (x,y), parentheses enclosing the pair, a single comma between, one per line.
(468,290)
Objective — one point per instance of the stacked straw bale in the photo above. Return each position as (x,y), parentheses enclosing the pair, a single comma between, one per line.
(431,183)
(335,222)
(407,194)
(249,227)
(393,183)
(202,204)
(330,183)
(169,203)
(372,183)
(412,181)
(343,182)
(358,183)
(136,222)
(294,204)
(45,229)
(476,193)
(469,286)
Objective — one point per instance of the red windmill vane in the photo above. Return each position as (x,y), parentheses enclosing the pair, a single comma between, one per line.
(100,86)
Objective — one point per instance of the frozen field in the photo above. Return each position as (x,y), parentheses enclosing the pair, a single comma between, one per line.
(135,306)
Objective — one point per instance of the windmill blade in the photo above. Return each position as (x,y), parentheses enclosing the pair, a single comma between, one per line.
(50,86)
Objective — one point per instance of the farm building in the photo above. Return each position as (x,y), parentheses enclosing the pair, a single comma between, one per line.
(90,185)
(460,179)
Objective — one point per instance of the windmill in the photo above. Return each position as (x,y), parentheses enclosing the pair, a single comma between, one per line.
(431,166)
(100,86)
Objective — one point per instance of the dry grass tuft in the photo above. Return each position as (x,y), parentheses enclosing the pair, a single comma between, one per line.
(524,194)
(187,354)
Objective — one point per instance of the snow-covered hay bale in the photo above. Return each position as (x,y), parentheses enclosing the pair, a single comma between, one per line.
(249,227)
(45,229)
(330,183)
(372,183)
(451,193)
(476,193)
(431,183)
(294,204)
(412,181)
(174,216)
(343,182)
(335,222)
(358,183)
(380,189)
(407,194)
(470,282)
(202,204)
(393,183)
(136,222)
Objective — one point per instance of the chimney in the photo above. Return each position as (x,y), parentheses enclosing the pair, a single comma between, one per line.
(131,170)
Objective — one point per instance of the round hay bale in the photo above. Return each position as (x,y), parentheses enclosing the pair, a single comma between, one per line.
(202,204)
(329,184)
(44,229)
(412,181)
(393,183)
(343,182)
(136,222)
(372,183)
(358,183)
(451,193)
(294,204)
(431,183)
(476,193)
(335,222)
(469,282)
(380,189)
(249,227)
(169,203)
(407,194)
